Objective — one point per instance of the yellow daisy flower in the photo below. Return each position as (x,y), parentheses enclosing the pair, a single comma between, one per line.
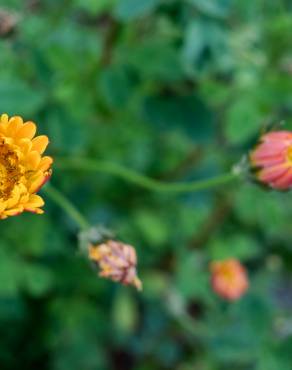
(23,170)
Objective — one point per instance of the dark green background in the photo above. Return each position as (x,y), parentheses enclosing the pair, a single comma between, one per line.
(177,90)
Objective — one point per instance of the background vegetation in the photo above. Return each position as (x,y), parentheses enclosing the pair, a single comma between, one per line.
(177,90)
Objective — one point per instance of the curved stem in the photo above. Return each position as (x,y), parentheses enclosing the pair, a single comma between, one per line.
(141,180)
(66,205)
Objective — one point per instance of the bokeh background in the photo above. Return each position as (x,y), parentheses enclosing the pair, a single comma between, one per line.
(178,90)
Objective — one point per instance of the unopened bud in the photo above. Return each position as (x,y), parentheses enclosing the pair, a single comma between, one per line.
(271,160)
(229,279)
(117,261)
(8,22)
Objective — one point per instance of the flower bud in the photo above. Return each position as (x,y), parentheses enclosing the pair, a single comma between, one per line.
(272,160)
(117,261)
(8,22)
(229,279)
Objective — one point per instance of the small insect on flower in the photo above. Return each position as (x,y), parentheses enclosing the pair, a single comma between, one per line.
(229,279)
(272,160)
(23,170)
(117,261)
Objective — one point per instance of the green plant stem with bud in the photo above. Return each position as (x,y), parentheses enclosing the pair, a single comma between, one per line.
(131,176)
(56,196)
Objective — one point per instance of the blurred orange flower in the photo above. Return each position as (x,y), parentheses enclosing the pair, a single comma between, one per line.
(117,261)
(272,160)
(23,170)
(229,279)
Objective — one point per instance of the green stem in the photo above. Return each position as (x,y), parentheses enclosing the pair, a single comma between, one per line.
(141,180)
(65,204)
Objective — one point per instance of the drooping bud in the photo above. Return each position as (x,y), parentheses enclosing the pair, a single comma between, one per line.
(229,279)
(117,261)
(272,160)
(8,22)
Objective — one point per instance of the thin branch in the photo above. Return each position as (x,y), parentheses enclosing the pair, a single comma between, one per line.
(141,180)
(66,205)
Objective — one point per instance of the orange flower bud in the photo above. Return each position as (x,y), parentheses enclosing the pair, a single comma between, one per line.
(117,261)
(229,279)
(8,22)
(272,160)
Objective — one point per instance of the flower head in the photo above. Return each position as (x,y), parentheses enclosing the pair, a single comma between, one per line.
(23,170)
(229,279)
(272,160)
(117,261)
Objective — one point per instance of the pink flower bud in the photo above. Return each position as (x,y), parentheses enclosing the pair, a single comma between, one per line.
(229,279)
(272,160)
(117,261)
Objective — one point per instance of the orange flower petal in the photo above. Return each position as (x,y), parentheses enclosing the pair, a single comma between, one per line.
(272,159)
(14,211)
(15,123)
(33,160)
(45,163)
(34,201)
(40,143)
(36,182)
(28,130)
(25,145)
(14,199)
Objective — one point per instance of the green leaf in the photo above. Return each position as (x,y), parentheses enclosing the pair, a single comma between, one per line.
(268,360)
(191,278)
(66,132)
(152,227)
(186,113)
(29,244)
(236,246)
(18,98)
(37,279)
(244,119)
(195,40)
(116,86)
(265,209)
(130,9)
(163,62)
(217,8)
(95,7)
(11,268)
(155,283)
(124,311)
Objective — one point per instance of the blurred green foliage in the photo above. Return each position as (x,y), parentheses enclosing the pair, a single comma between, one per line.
(178,90)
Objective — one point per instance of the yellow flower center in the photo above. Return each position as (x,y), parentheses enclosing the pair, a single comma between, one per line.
(227,274)
(10,170)
(289,154)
